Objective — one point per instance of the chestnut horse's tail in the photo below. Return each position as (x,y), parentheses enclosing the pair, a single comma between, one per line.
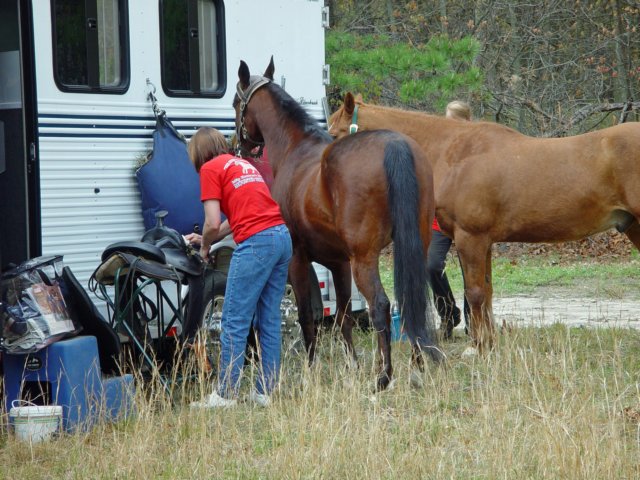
(409,256)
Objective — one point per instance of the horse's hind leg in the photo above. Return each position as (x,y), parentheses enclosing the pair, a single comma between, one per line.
(367,277)
(342,281)
(301,283)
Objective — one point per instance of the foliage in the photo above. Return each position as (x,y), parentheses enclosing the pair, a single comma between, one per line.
(427,74)
(547,68)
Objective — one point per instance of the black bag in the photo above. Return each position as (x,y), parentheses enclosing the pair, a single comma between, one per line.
(84,312)
(33,310)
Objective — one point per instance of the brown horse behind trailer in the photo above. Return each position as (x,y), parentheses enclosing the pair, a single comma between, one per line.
(343,202)
(493,184)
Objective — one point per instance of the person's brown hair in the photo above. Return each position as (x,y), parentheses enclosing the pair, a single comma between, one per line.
(459,110)
(206,144)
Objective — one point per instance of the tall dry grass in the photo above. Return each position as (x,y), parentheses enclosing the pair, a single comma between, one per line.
(547,403)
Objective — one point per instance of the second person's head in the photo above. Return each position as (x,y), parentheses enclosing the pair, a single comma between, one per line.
(207,143)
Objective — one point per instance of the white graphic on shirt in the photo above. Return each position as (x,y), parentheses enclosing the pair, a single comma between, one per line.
(246,166)
(249,173)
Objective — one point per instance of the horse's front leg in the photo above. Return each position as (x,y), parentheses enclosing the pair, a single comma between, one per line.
(367,279)
(475,253)
(488,303)
(342,282)
(301,283)
(633,233)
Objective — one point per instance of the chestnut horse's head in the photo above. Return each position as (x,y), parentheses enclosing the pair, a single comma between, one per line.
(248,135)
(345,120)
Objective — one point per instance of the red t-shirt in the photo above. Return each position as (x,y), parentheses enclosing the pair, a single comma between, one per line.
(435,225)
(244,197)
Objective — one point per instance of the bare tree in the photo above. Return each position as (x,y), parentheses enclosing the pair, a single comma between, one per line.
(550,67)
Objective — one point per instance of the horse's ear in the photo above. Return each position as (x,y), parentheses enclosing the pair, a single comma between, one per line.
(268,73)
(243,75)
(349,103)
(358,98)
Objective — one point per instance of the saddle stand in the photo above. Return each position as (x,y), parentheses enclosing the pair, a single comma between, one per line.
(140,294)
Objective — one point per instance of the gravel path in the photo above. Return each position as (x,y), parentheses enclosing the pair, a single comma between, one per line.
(590,312)
(546,309)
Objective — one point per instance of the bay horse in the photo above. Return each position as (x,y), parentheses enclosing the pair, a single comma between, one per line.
(343,202)
(494,184)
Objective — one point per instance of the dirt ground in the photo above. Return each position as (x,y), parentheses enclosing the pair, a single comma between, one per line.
(588,312)
(566,306)
(567,310)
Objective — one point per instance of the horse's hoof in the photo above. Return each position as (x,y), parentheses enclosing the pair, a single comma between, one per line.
(384,382)
(437,355)
(446,327)
(416,380)
(470,352)
(309,374)
(352,364)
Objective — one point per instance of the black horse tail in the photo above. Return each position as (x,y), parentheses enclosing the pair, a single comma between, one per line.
(409,256)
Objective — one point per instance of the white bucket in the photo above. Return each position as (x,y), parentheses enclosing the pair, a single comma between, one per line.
(34,423)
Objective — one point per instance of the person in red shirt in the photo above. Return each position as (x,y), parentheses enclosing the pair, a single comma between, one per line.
(440,245)
(259,265)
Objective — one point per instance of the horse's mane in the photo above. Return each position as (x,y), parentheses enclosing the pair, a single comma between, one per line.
(293,111)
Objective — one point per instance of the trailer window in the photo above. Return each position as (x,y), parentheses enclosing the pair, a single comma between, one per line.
(90,45)
(192,45)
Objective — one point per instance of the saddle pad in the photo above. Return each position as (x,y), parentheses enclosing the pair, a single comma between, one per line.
(125,263)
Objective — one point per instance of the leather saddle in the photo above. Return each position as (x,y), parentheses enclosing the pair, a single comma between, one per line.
(163,246)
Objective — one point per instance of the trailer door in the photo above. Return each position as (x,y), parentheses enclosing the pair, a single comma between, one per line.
(19,212)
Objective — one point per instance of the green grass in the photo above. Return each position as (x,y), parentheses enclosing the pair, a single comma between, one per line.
(548,403)
(544,275)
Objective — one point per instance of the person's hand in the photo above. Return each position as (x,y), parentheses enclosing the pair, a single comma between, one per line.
(204,253)
(193,239)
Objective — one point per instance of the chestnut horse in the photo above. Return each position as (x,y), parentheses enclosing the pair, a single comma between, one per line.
(493,184)
(343,202)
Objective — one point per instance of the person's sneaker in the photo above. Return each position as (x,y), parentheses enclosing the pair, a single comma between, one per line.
(215,401)
(261,399)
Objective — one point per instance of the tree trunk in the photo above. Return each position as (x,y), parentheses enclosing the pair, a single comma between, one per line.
(621,46)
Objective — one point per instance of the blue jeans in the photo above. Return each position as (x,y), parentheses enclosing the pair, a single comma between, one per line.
(443,298)
(255,286)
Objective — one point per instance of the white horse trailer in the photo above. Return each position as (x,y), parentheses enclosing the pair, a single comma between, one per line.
(75,116)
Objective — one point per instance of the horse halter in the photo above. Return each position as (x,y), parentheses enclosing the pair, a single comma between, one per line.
(353,128)
(255,82)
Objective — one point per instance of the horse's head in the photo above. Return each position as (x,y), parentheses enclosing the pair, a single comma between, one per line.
(345,120)
(248,134)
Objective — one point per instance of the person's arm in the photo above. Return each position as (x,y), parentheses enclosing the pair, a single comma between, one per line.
(225,229)
(196,239)
(212,226)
